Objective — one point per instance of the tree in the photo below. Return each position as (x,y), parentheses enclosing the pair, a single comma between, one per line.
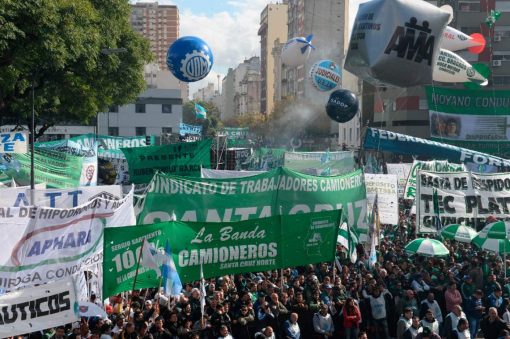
(210,126)
(55,46)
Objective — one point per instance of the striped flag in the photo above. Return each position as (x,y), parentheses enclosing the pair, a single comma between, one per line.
(348,239)
(200,112)
(374,232)
(171,281)
(150,257)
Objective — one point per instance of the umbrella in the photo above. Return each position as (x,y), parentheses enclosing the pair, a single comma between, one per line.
(496,230)
(88,309)
(500,246)
(427,247)
(458,232)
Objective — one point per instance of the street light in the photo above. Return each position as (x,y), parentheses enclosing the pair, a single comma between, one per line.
(108,51)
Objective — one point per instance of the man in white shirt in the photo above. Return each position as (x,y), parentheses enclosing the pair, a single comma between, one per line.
(323,323)
(431,304)
(291,327)
(452,319)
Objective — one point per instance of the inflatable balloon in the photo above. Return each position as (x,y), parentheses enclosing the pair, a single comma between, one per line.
(450,67)
(395,42)
(481,68)
(454,40)
(342,105)
(448,9)
(296,51)
(325,75)
(189,59)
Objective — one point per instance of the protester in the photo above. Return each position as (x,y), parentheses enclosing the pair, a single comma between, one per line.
(291,327)
(461,331)
(492,325)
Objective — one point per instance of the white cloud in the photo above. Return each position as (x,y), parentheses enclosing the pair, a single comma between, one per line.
(232,36)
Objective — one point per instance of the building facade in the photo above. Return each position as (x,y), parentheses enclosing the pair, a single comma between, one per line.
(205,93)
(227,95)
(273,25)
(155,112)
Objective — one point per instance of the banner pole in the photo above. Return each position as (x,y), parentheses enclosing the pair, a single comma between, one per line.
(138,265)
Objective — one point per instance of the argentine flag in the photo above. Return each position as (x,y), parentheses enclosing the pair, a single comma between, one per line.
(171,281)
(200,112)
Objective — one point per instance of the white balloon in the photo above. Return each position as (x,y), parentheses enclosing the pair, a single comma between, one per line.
(455,40)
(450,67)
(296,51)
(448,9)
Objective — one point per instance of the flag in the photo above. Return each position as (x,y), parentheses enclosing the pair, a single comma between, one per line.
(348,239)
(435,201)
(202,290)
(171,281)
(374,232)
(200,112)
(149,257)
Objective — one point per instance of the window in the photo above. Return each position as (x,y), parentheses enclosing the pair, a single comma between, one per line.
(502,6)
(140,131)
(423,104)
(166,108)
(140,108)
(166,130)
(113,109)
(469,6)
(114,131)
(350,134)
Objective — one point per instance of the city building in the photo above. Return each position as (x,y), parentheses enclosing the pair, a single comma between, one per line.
(227,95)
(205,93)
(279,72)
(247,87)
(155,112)
(273,25)
(160,25)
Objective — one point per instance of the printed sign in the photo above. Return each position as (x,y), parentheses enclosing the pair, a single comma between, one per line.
(222,248)
(38,308)
(461,197)
(42,244)
(385,186)
(320,163)
(14,142)
(402,172)
(189,129)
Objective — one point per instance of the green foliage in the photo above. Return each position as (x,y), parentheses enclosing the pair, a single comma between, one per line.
(56,45)
(210,126)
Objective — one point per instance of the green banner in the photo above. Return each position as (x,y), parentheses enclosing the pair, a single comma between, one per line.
(277,192)
(321,163)
(183,159)
(223,248)
(56,169)
(236,136)
(473,119)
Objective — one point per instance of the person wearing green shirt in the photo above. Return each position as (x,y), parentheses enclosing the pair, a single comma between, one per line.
(467,288)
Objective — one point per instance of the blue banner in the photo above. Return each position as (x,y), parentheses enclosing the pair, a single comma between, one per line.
(386,141)
(189,129)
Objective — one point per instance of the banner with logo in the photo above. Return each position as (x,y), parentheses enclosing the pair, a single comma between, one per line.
(56,169)
(58,198)
(38,308)
(184,159)
(42,244)
(224,174)
(89,168)
(434,166)
(223,248)
(265,159)
(236,136)
(14,142)
(385,186)
(320,163)
(110,146)
(189,129)
(386,141)
(461,197)
(277,192)
(402,172)
(474,119)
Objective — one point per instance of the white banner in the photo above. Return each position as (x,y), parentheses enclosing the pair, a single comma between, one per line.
(402,172)
(59,198)
(433,165)
(385,186)
(462,197)
(14,142)
(38,308)
(42,244)
(223,174)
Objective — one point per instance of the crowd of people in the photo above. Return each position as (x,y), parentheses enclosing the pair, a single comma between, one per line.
(465,295)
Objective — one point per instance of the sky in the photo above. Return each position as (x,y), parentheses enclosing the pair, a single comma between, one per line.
(229,27)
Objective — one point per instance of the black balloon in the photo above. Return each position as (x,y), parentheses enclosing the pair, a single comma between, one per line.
(342,105)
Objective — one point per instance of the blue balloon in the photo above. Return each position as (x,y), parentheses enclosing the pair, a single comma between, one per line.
(189,59)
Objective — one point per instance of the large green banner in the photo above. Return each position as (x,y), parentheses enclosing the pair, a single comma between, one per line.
(277,192)
(222,248)
(473,119)
(183,159)
(56,169)
(321,163)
